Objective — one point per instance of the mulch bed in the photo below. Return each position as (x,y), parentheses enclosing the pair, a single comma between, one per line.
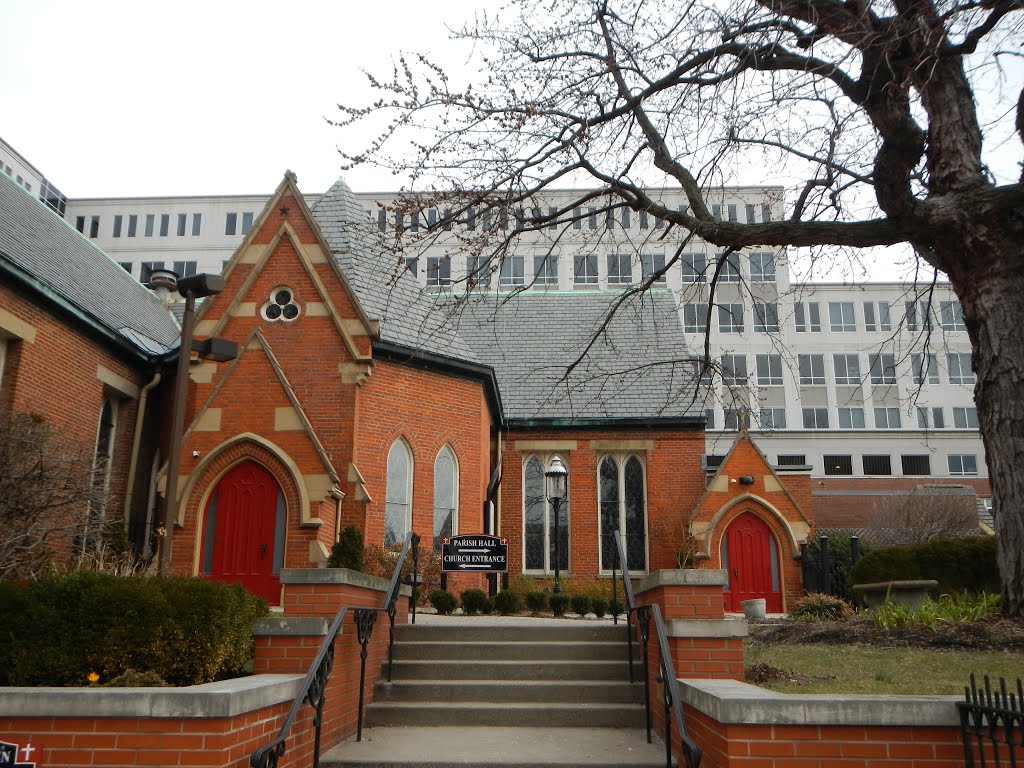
(1001,634)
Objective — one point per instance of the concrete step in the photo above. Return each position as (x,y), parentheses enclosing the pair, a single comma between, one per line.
(498,748)
(578,691)
(509,670)
(506,650)
(531,714)
(543,631)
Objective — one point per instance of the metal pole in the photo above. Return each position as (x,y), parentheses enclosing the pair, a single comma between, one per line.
(557,589)
(177,426)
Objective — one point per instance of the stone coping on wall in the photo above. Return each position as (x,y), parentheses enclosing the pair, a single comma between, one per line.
(287,626)
(689,577)
(338,576)
(706,628)
(733,702)
(227,698)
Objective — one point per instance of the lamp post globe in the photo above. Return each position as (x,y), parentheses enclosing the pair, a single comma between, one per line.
(556,479)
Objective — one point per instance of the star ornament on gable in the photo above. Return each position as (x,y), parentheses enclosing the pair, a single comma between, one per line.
(283,210)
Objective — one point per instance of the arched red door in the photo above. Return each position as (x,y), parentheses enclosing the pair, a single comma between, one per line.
(243,531)
(750,557)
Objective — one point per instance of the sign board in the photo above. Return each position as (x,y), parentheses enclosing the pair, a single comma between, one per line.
(17,756)
(474,552)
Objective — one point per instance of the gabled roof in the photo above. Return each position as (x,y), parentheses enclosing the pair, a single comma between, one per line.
(637,368)
(44,252)
(558,357)
(408,316)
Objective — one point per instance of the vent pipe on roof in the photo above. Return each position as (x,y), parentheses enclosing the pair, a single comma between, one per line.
(163,282)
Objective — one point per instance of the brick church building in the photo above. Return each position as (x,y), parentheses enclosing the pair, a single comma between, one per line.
(357,398)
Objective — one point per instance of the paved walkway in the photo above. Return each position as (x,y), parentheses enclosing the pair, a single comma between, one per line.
(501,747)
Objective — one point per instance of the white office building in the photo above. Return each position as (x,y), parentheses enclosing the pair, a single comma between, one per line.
(870,385)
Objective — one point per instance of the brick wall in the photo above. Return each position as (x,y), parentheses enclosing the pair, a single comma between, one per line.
(60,355)
(741,726)
(429,411)
(673,476)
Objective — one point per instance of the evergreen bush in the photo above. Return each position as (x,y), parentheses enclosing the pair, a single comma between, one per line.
(599,606)
(347,551)
(64,627)
(958,565)
(559,603)
(616,607)
(508,602)
(535,601)
(473,601)
(840,558)
(443,601)
(580,604)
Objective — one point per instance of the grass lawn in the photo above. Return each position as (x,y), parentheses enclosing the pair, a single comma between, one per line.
(820,668)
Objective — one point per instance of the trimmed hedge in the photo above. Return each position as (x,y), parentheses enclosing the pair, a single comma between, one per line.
(959,565)
(508,602)
(473,601)
(61,628)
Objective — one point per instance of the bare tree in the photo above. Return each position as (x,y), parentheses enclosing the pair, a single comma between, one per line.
(871,109)
(48,497)
(922,515)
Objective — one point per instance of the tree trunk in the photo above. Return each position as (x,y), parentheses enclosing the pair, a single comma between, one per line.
(988,276)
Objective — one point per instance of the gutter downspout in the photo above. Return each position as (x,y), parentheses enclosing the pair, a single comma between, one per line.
(133,462)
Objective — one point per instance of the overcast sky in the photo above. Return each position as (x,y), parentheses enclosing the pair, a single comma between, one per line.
(117,98)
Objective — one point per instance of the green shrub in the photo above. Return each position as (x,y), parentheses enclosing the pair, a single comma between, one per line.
(580,604)
(948,609)
(508,602)
(443,601)
(819,607)
(473,601)
(347,551)
(599,606)
(616,607)
(958,565)
(536,601)
(185,631)
(488,608)
(559,603)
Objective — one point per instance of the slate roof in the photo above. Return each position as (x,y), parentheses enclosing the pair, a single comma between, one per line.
(387,292)
(638,367)
(45,248)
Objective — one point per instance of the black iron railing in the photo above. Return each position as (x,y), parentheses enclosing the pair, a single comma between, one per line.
(314,686)
(992,724)
(672,701)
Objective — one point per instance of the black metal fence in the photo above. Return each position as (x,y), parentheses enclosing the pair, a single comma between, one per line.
(824,567)
(992,724)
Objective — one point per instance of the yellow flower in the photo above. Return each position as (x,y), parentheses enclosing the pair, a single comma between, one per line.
(93,677)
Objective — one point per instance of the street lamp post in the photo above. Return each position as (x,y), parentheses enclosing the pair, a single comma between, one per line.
(190,288)
(557,481)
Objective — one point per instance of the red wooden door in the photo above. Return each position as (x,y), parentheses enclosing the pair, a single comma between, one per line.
(751,557)
(245,520)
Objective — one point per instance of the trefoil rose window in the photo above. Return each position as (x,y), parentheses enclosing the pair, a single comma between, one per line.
(281,306)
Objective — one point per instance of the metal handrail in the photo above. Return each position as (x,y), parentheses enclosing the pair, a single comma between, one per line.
(314,686)
(672,701)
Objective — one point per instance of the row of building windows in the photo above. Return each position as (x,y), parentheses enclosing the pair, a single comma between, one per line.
(622,500)
(958,464)
(511,270)
(807,317)
(492,219)
(18,177)
(877,316)
(846,417)
(846,369)
(159,225)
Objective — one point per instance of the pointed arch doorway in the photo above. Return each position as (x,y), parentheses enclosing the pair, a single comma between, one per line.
(750,557)
(243,531)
